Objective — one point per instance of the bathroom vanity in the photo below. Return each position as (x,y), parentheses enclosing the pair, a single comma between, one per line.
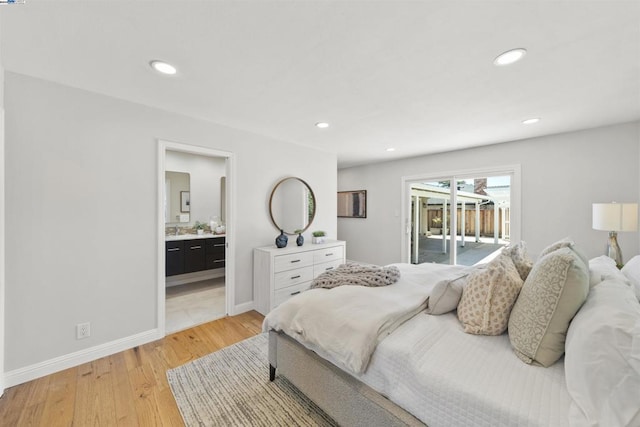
(190,253)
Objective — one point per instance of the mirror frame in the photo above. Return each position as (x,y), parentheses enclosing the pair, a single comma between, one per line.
(313,196)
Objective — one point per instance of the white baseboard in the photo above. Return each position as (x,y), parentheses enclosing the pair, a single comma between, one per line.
(28,373)
(198,276)
(183,279)
(242,308)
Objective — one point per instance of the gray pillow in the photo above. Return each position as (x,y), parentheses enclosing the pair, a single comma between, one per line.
(567,242)
(554,291)
(520,258)
(445,296)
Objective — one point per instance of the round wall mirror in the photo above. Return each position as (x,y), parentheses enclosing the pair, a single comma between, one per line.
(292,205)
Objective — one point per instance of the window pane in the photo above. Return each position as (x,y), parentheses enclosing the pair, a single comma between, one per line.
(430,239)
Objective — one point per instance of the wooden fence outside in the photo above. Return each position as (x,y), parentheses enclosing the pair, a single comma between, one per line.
(486,220)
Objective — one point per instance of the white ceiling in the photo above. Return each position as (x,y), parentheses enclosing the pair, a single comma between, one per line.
(417,76)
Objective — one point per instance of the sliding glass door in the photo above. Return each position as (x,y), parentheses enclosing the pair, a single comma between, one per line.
(465,218)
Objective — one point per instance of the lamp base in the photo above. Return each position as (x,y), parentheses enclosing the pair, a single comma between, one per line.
(613,250)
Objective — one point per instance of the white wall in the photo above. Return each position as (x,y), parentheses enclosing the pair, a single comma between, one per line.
(562,175)
(71,156)
(204,173)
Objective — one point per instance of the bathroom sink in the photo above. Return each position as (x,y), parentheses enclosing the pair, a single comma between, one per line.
(170,237)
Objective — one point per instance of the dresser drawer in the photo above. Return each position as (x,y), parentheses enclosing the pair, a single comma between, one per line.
(328,254)
(281,295)
(288,262)
(293,277)
(325,266)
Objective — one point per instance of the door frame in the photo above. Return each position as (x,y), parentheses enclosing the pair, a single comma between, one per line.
(163,147)
(405,200)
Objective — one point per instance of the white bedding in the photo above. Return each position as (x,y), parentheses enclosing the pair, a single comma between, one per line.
(445,377)
(346,323)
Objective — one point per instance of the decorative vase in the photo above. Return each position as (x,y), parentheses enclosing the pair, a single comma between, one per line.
(318,239)
(300,240)
(281,240)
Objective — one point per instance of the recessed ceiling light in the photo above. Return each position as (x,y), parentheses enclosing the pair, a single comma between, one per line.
(390,149)
(531,121)
(510,56)
(163,67)
(322,125)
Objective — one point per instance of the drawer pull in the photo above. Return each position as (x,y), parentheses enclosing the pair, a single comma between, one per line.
(295,260)
(196,247)
(219,246)
(173,249)
(295,277)
(328,254)
(218,260)
(295,293)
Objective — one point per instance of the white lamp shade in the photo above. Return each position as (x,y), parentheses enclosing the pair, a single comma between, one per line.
(615,216)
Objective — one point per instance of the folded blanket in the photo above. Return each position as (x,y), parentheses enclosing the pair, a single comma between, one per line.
(354,274)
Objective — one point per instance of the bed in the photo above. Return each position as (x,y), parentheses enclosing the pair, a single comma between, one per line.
(426,369)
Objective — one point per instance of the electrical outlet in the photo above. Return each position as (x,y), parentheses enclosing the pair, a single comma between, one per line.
(83,330)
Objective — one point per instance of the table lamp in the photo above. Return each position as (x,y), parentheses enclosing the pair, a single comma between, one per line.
(614,217)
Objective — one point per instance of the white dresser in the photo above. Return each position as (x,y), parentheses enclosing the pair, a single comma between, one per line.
(280,273)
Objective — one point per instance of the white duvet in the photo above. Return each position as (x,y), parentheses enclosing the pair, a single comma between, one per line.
(346,323)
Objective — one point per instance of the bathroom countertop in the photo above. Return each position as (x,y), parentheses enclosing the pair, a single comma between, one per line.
(171,237)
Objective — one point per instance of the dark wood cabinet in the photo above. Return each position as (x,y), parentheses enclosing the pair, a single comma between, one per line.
(215,253)
(188,256)
(194,259)
(175,257)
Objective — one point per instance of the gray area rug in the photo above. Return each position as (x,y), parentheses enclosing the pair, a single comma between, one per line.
(231,387)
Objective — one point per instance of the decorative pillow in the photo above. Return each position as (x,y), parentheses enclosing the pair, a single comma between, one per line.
(603,268)
(631,270)
(518,254)
(489,296)
(552,294)
(602,364)
(446,295)
(565,243)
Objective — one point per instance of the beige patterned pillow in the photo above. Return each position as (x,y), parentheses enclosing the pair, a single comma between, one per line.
(518,254)
(488,297)
(552,294)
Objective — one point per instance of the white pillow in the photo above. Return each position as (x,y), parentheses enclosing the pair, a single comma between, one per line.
(446,294)
(603,268)
(602,360)
(631,270)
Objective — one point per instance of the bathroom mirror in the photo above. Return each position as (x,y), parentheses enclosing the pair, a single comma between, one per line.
(177,197)
(292,205)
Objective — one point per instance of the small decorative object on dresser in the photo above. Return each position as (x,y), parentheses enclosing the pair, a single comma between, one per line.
(300,239)
(281,240)
(279,274)
(318,237)
(200,226)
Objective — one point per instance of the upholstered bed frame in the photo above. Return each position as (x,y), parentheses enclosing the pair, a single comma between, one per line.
(348,401)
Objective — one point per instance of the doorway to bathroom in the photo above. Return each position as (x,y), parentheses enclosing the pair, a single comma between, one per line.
(195,216)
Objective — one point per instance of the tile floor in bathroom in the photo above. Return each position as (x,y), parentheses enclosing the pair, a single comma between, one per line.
(193,304)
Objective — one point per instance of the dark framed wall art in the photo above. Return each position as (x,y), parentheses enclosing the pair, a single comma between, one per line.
(352,204)
(185,201)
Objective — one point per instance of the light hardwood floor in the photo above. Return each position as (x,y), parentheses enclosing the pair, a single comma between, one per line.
(126,389)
